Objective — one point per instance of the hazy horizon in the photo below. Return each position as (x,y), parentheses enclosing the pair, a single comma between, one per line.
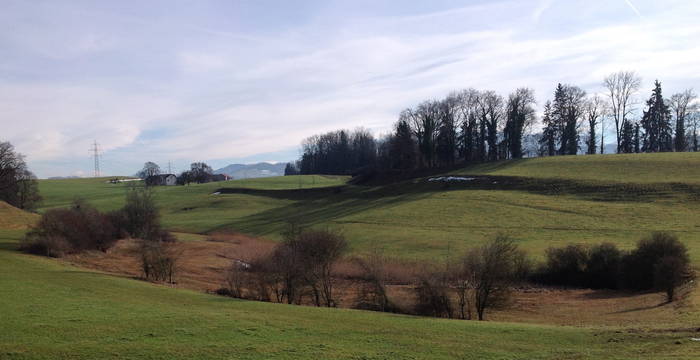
(242,82)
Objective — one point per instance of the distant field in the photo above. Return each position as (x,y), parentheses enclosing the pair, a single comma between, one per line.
(106,196)
(418,219)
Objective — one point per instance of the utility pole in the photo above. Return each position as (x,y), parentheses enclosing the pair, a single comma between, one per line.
(170,171)
(95,150)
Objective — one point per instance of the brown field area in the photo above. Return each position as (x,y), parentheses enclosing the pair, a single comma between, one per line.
(203,263)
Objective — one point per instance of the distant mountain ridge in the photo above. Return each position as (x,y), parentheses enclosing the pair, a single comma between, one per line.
(243,171)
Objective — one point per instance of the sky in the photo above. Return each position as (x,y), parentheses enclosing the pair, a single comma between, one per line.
(246,81)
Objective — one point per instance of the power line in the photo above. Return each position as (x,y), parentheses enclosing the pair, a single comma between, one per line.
(95,150)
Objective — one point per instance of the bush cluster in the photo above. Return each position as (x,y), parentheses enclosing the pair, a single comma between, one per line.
(82,227)
(659,262)
(299,267)
(78,228)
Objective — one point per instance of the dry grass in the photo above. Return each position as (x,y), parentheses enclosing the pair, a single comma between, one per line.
(12,218)
(203,266)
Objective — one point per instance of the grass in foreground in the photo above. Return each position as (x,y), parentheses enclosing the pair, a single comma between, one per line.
(50,310)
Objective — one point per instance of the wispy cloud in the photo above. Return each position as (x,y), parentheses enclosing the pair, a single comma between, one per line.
(634,8)
(209,90)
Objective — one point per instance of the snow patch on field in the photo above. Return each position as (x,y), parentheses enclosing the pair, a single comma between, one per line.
(451,178)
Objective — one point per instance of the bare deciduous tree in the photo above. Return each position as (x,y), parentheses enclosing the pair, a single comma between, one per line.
(319,250)
(149,169)
(18,186)
(682,104)
(494,267)
(490,106)
(694,121)
(594,114)
(520,114)
(621,88)
(373,294)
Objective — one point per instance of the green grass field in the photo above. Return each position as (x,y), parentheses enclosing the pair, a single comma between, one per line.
(49,309)
(632,168)
(617,198)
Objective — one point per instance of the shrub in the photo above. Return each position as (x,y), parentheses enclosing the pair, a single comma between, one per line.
(302,265)
(373,293)
(603,266)
(80,227)
(50,245)
(158,261)
(659,262)
(432,296)
(669,273)
(140,217)
(237,278)
(566,266)
(638,267)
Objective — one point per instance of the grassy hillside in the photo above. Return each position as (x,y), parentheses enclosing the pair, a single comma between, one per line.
(421,219)
(107,196)
(50,310)
(13,218)
(634,168)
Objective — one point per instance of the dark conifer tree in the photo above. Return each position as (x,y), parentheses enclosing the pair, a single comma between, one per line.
(447,132)
(656,123)
(627,138)
(402,148)
(548,141)
(567,110)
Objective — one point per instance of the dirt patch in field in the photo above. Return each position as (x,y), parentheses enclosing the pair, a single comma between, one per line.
(203,265)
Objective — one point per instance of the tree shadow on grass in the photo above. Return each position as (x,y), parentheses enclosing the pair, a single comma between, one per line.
(639,308)
(9,245)
(316,207)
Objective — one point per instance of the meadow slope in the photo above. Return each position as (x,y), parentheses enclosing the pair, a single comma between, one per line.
(541,202)
(51,310)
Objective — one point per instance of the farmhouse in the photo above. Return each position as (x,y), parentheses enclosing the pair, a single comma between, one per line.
(220,177)
(163,179)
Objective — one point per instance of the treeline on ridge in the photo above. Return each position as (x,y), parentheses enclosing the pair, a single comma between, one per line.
(472,126)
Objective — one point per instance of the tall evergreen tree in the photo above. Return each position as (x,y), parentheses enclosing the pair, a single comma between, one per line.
(567,111)
(656,123)
(465,114)
(402,149)
(627,137)
(447,132)
(548,141)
